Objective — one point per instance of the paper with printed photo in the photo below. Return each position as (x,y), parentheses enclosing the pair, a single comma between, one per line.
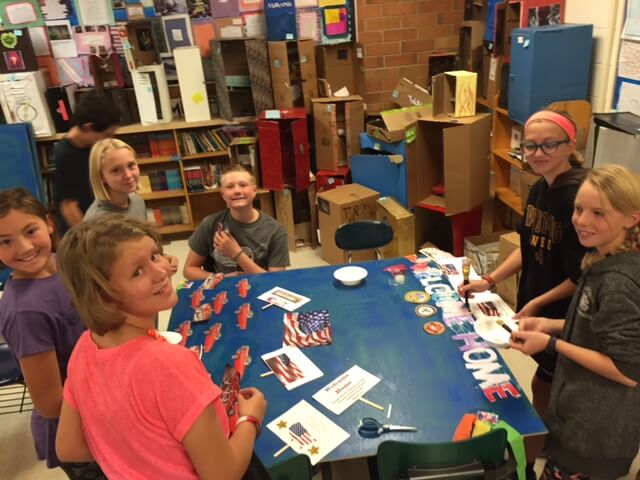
(307,431)
(284,298)
(61,39)
(292,367)
(345,390)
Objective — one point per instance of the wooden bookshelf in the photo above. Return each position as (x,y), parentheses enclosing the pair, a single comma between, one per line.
(198,204)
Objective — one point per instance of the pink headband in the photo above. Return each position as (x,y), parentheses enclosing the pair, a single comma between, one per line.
(563,122)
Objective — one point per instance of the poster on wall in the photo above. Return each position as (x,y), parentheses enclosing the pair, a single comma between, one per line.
(20,14)
(631,30)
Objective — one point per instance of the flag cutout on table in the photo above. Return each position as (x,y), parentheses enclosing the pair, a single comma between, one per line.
(300,434)
(308,329)
(285,368)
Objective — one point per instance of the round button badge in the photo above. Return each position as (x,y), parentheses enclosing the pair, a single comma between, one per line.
(417,296)
(426,310)
(434,328)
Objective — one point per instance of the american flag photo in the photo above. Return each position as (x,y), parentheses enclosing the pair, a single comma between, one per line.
(300,434)
(284,368)
(307,329)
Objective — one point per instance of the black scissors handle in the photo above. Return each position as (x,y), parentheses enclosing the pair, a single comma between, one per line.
(372,428)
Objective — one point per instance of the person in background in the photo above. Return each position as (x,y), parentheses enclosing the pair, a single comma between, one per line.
(138,405)
(550,253)
(240,239)
(114,176)
(37,319)
(594,410)
(95,117)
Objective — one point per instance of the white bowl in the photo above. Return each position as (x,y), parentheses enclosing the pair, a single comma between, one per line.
(494,334)
(351,275)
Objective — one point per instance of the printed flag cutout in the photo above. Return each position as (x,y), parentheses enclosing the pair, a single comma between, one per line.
(307,329)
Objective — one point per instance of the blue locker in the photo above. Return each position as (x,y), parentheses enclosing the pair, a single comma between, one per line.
(385,172)
(19,166)
(548,64)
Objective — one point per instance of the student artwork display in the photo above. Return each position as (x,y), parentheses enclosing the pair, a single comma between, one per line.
(307,329)
(22,99)
(177,29)
(16,52)
(336,22)
(20,14)
(307,431)
(308,21)
(61,39)
(170,7)
(284,298)
(281,19)
(92,40)
(95,12)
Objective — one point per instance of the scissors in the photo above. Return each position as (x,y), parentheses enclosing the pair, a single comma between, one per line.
(372,428)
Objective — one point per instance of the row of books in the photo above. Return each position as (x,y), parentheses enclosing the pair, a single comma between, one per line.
(160,180)
(169,215)
(207,140)
(205,176)
(153,144)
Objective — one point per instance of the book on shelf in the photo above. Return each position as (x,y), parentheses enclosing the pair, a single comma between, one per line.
(163,180)
(207,140)
(140,144)
(205,176)
(168,215)
(144,184)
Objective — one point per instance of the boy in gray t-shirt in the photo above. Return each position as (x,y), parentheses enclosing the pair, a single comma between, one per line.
(239,239)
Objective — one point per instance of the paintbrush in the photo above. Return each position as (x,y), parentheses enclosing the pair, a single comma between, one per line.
(466,268)
(500,322)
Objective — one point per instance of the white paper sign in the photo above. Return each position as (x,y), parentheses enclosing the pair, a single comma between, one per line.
(345,390)
(292,367)
(61,39)
(307,431)
(283,298)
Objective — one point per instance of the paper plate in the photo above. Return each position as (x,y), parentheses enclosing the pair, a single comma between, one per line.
(493,333)
(351,275)
(171,337)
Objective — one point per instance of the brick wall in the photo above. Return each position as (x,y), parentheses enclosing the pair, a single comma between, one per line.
(398,37)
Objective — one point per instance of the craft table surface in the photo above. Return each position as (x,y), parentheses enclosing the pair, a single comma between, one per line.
(423,376)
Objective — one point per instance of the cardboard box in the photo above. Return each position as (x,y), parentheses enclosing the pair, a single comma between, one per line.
(482,251)
(338,122)
(244,151)
(344,204)
(453,152)
(508,289)
(493,79)
(527,180)
(398,124)
(454,93)
(470,48)
(409,94)
(293,73)
(403,223)
(340,66)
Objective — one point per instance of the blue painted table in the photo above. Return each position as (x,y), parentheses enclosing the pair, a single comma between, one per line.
(430,380)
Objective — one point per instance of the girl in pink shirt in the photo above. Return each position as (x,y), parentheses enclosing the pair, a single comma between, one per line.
(141,407)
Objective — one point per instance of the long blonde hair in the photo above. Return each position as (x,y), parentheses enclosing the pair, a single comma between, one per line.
(621,187)
(96,160)
(85,256)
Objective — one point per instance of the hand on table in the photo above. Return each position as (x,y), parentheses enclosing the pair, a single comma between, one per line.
(251,401)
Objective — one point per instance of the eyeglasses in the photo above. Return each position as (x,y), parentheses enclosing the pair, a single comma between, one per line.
(548,147)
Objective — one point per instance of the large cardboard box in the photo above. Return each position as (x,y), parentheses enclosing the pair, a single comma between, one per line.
(409,94)
(508,289)
(340,66)
(470,47)
(455,153)
(338,122)
(328,179)
(454,93)
(293,73)
(344,204)
(244,151)
(397,124)
(403,223)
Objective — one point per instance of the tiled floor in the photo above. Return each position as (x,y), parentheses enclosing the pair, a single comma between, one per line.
(17,457)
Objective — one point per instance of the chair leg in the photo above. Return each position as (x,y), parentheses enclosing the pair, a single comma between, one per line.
(24,394)
(349,256)
(378,254)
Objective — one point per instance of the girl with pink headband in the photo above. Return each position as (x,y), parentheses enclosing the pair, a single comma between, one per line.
(550,253)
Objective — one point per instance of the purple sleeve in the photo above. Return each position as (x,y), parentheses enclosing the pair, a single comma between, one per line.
(29,333)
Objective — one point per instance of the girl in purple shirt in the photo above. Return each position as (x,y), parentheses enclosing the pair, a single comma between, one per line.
(37,319)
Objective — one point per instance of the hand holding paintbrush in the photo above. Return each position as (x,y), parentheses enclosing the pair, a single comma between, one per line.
(466,269)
